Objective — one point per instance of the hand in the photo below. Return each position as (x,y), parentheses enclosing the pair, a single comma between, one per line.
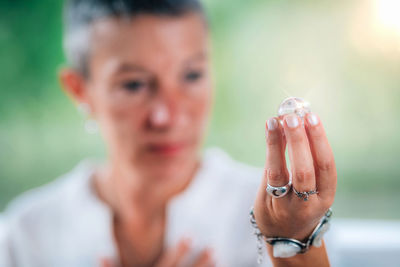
(312,166)
(175,256)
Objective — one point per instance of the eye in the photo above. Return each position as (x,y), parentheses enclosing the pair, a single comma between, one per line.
(134,85)
(193,76)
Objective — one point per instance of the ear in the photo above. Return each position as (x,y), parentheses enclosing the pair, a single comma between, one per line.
(73,84)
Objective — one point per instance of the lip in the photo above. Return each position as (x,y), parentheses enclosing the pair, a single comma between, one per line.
(166,149)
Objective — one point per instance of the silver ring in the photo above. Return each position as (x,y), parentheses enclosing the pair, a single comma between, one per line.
(278,191)
(304,195)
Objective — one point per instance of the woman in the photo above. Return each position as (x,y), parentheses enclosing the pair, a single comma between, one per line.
(140,69)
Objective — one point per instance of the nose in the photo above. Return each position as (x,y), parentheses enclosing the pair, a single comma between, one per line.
(160,116)
(168,110)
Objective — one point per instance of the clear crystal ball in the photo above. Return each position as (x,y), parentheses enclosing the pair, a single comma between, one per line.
(294,105)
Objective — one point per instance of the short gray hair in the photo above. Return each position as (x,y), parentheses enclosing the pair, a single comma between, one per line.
(79,16)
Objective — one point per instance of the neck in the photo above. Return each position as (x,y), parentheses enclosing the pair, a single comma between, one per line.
(131,195)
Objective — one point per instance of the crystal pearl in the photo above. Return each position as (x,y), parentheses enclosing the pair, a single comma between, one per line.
(295,105)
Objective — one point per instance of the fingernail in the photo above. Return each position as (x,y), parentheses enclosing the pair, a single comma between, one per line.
(292,121)
(272,124)
(312,119)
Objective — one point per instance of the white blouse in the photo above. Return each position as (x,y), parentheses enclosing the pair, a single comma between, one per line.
(65,224)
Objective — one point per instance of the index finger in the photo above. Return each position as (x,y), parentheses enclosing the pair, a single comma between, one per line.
(276,172)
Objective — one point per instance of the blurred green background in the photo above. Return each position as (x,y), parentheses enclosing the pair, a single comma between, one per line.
(342,56)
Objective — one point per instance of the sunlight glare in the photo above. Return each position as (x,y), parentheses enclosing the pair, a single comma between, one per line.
(388,14)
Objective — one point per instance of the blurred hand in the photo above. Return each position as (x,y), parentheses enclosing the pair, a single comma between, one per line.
(313,168)
(175,256)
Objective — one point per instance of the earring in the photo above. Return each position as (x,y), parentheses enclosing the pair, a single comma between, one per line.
(90,124)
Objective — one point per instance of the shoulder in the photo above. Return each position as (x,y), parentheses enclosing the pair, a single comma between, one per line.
(59,219)
(226,180)
(230,171)
(48,201)
(229,193)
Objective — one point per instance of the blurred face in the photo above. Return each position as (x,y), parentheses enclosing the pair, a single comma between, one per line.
(149,89)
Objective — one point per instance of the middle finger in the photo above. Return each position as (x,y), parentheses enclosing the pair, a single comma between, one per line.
(300,156)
